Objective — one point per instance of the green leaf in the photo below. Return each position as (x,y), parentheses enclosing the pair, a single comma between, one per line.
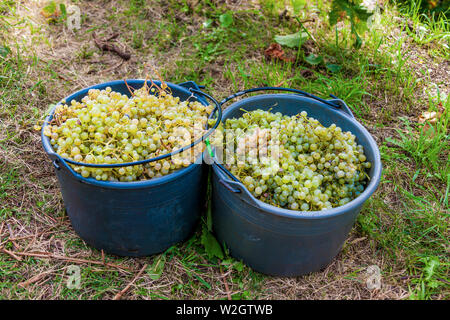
(207,23)
(226,20)
(4,51)
(239,266)
(156,269)
(62,8)
(333,67)
(49,10)
(357,15)
(209,221)
(433,284)
(212,247)
(333,15)
(298,5)
(431,263)
(206,284)
(314,59)
(294,40)
(209,216)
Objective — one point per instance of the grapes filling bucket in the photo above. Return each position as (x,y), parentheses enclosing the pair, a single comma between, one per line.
(279,241)
(134,218)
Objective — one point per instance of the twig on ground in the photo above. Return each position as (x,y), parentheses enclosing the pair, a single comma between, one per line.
(121,293)
(49,255)
(112,37)
(105,46)
(63,78)
(38,234)
(36,278)
(11,235)
(1,231)
(12,254)
(358,240)
(113,67)
(227,289)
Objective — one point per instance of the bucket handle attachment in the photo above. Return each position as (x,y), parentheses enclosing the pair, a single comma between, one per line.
(235,186)
(335,103)
(191,84)
(217,109)
(244,194)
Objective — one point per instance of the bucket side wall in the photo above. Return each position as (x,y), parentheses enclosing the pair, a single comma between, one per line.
(276,241)
(274,244)
(134,222)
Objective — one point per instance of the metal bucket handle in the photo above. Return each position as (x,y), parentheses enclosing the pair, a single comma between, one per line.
(56,157)
(236,186)
(335,103)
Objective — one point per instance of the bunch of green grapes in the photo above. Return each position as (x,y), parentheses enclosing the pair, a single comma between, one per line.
(107,127)
(295,162)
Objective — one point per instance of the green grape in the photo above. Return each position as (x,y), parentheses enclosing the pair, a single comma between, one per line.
(318,168)
(106,127)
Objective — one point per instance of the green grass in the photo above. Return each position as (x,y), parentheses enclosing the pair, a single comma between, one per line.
(426,29)
(416,169)
(429,148)
(412,237)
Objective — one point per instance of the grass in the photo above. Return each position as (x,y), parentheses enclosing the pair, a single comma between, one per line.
(426,29)
(396,76)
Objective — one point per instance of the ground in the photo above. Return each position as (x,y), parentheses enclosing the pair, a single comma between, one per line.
(399,73)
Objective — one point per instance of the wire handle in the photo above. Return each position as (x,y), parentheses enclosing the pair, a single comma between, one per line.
(238,187)
(335,103)
(217,109)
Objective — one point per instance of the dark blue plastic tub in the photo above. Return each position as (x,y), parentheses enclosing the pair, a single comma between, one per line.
(132,218)
(279,241)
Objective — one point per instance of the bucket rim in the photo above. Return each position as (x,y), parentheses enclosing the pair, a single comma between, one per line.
(141,184)
(115,184)
(323,214)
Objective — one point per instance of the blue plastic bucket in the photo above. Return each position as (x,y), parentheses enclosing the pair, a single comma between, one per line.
(132,218)
(278,241)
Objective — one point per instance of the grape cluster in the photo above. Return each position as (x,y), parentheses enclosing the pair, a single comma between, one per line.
(107,127)
(293,161)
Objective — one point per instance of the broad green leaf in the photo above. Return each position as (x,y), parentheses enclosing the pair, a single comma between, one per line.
(314,59)
(239,266)
(49,10)
(333,67)
(433,284)
(156,269)
(294,40)
(227,263)
(430,265)
(4,51)
(212,247)
(226,19)
(298,5)
(357,15)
